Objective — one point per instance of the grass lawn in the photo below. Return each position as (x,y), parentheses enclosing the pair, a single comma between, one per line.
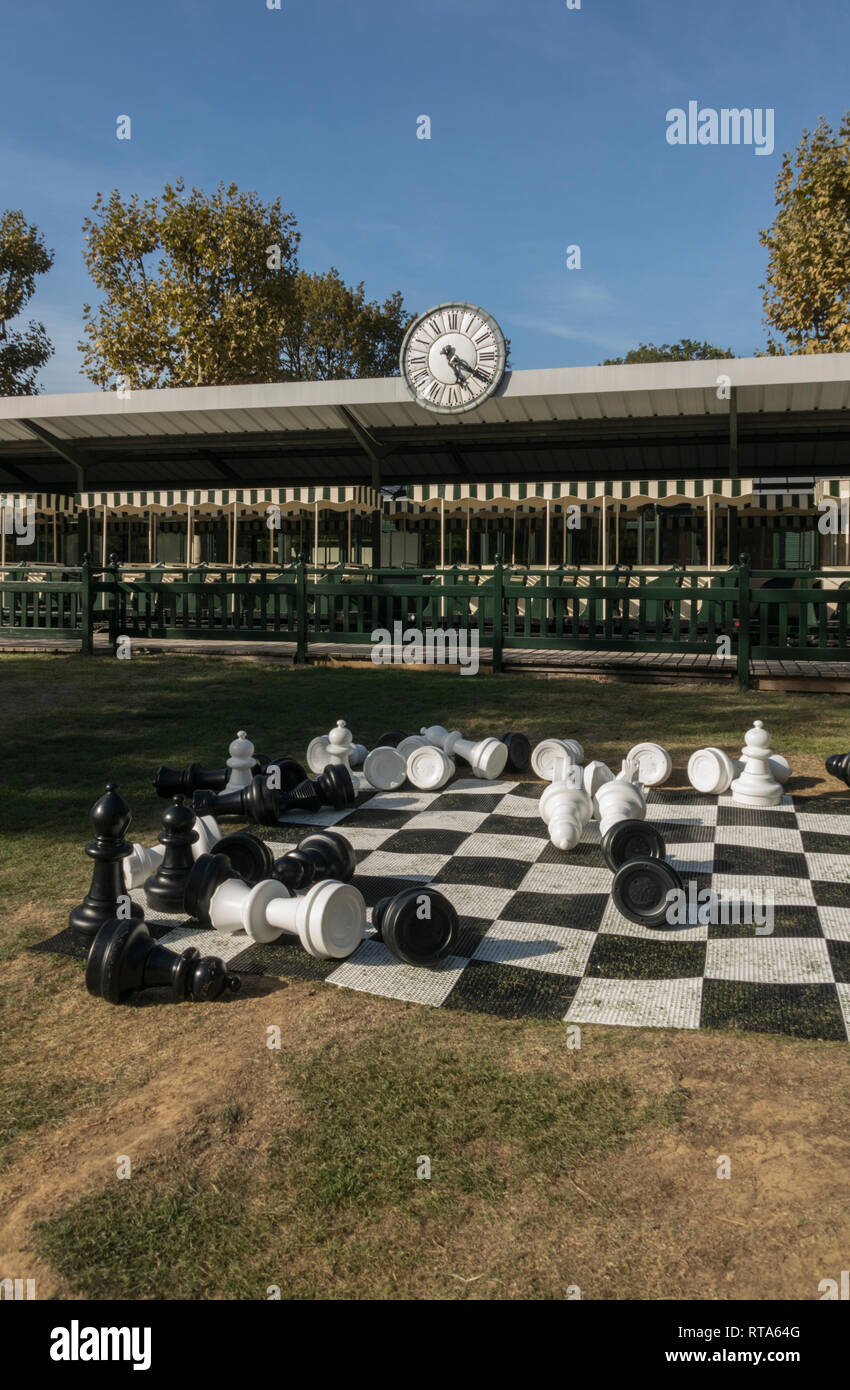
(296,1167)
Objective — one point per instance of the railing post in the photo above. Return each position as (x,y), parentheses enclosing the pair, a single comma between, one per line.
(114,598)
(498,592)
(86,609)
(300,611)
(744,622)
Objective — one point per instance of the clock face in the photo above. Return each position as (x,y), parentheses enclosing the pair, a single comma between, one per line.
(453,358)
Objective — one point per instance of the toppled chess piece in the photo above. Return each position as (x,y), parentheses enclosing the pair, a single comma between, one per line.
(429,768)
(250,856)
(407,745)
(631,839)
(166,885)
(144,861)
(643,889)
(547,753)
(596,775)
(519,752)
(391,739)
(756,785)
(839,766)
(329,920)
(711,771)
(619,800)
(325,854)
(110,817)
(333,787)
(170,781)
(654,763)
(418,926)
(125,958)
(487,758)
(385,769)
(566,810)
(257,802)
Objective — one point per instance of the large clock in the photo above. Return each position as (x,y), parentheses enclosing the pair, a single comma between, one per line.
(453,358)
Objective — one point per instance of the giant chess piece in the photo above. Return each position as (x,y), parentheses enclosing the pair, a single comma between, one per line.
(329,920)
(519,752)
(124,958)
(145,861)
(257,802)
(839,766)
(165,888)
(418,926)
(408,745)
(429,768)
(170,781)
(756,785)
(711,771)
(111,819)
(653,762)
(487,758)
(335,747)
(391,739)
(642,891)
(240,762)
(333,787)
(250,856)
(566,810)
(631,839)
(547,754)
(385,769)
(619,800)
(595,776)
(323,855)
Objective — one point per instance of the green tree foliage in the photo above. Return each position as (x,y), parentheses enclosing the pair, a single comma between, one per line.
(807,291)
(202,289)
(23,256)
(685,351)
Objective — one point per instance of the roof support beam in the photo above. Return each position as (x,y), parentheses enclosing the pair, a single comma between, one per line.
(376,452)
(62,448)
(223,472)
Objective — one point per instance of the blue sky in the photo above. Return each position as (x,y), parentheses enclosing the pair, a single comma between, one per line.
(548,128)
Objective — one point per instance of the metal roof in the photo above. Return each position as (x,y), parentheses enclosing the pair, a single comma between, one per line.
(659,420)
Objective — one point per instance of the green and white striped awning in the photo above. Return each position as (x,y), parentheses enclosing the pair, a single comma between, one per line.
(45,503)
(627,495)
(246,501)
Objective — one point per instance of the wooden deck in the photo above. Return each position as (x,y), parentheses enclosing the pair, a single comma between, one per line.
(828,677)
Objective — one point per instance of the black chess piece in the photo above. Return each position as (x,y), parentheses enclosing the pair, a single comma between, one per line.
(208,873)
(631,839)
(839,766)
(333,787)
(170,781)
(289,772)
(111,817)
(325,854)
(257,802)
(419,926)
(166,885)
(519,752)
(124,958)
(642,888)
(390,740)
(250,856)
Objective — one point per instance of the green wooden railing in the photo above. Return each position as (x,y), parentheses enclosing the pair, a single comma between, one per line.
(740,614)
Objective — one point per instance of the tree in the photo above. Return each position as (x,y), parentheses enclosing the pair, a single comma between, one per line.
(23,256)
(685,351)
(807,290)
(206,290)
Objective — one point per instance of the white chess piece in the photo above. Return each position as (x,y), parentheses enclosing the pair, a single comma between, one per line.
(711,771)
(340,745)
(318,753)
(240,762)
(385,769)
(429,768)
(596,775)
(619,800)
(487,758)
(654,763)
(143,862)
(779,767)
(329,919)
(756,785)
(566,810)
(544,758)
(407,745)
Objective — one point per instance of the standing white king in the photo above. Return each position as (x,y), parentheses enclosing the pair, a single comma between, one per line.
(756,785)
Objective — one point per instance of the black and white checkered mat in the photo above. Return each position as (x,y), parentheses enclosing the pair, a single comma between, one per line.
(540,934)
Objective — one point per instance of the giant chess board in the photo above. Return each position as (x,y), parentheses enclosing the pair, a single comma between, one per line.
(540,935)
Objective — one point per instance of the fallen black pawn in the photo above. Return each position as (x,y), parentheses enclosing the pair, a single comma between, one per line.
(418,926)
(170,781)
(333,787)
(839,766)
(631,839)
(125,958)
(519,752)
(642,888)
(110,817)
(324,854)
